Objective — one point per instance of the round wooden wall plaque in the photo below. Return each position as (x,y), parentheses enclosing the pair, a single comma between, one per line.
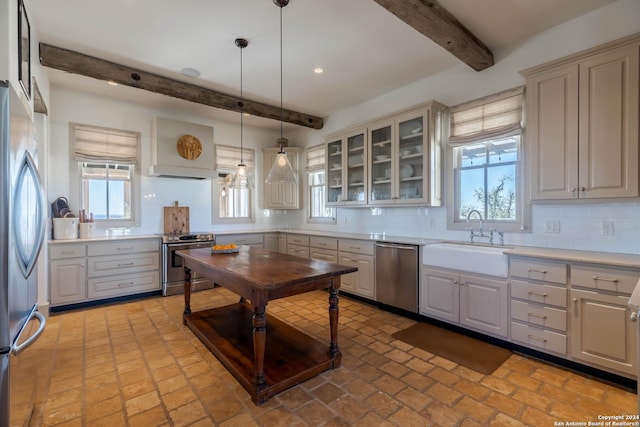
(189,147)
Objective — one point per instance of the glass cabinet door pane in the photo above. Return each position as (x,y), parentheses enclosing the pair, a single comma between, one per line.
(380,163)
(334,168)
(410,158)
(356,168)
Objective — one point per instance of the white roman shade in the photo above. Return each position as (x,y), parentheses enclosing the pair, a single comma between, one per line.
(315,158)
(228,157)
(491,117)
(97,144)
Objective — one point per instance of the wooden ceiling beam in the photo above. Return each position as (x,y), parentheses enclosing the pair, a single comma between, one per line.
(428,17)
(89,66)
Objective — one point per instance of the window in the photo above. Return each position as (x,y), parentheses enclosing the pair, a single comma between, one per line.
(318,211)
(233,204)
(108,176)
(485,169)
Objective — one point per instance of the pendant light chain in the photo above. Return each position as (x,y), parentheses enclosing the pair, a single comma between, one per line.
(281,84)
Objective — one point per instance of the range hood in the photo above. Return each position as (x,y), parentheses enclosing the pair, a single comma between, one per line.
(181,149)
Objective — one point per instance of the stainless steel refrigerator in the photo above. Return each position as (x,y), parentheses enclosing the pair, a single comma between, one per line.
(22,232)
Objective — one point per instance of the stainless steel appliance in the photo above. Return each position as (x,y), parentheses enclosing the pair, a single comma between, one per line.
(172,272)
(397,275)
(23,211)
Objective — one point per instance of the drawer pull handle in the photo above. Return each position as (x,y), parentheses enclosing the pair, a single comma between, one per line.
(604,279)
(539,316)
(128,248)
(533,270)
(126,284)
(67,252)
(128,264)
(533,337)
(539,294)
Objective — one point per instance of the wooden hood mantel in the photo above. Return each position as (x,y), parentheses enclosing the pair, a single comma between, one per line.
(428,17)
(79,63)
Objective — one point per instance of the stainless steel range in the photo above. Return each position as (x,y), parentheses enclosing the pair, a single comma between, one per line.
(172,272)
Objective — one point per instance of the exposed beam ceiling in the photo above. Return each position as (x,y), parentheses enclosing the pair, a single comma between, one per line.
(435,22)
(79,63)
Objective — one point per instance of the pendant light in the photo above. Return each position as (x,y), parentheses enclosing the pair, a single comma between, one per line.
(281,171)
(242,177)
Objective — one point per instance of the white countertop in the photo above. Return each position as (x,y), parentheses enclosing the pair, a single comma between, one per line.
(104,238)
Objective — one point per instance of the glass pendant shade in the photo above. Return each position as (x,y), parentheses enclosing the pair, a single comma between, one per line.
(281,171)
(242,177)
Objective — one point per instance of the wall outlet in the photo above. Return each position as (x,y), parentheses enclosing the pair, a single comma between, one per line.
(606,228)
(551,226)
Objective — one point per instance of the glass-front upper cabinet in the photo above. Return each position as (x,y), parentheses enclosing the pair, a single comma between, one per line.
(346,165)
(404,165)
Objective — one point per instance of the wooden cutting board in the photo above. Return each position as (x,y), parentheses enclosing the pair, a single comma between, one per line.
(176,219)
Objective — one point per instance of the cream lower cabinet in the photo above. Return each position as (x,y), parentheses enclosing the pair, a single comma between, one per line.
(298,245)
(473,301)
(102,269)
(67,273)
(602,334)
(249,239)
(539,304)
(323,248)
(582,124)
(360,254)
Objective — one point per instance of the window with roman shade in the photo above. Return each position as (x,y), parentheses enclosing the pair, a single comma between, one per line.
(233,204)
(318,211)
(484,172)
(227,158)
(107,164)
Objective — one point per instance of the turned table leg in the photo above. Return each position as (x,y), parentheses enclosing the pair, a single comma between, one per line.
(333,319)
(187,291)
(259,342)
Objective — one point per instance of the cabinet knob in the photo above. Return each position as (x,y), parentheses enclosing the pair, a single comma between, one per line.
(572,190)
(575,299)
(582,189)
(634,316)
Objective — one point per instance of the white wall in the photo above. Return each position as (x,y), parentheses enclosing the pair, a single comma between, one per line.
(72,106)
(579,224)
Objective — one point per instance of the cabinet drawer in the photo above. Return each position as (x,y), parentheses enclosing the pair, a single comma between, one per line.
(323,254)
(124,247)
(547,271)
(539,339)
(356,246)
(297,239)
(323,243)
(67,251)
(608,279)
(297,250)
(124,284)
(101,266)
(539,315)
(256,239)
(543,294)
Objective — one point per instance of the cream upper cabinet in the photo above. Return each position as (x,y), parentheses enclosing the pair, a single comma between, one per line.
(347,169)
(405,158)
(582,125)
(281,195)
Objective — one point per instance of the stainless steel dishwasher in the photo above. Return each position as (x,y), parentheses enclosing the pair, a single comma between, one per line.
(397,275)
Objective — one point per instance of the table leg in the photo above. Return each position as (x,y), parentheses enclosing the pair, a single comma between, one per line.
(333,317)
(259,341)
(187,290)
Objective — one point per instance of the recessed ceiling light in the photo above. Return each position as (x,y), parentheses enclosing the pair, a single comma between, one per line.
(318,70)
(190,72)
(112,83)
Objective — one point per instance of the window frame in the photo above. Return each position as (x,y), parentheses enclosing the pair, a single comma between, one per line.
(316,163)
(522,223)
(76,178)
(225,166)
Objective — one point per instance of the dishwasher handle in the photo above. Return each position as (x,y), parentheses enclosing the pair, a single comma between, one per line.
(396,246)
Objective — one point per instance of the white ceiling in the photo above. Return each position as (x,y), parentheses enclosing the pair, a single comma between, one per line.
(365,50)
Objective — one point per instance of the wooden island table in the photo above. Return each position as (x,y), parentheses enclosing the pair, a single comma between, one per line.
(263,353)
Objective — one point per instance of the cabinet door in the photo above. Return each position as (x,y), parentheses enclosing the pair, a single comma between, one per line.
(609,124)
(281,195)
(484,304)
(335,179)
(356,168)
(67,281)
(365,276)
(601,332)
(440,295)
(552,133)
(381,163)
(348,281)
(271,242)
(411,178)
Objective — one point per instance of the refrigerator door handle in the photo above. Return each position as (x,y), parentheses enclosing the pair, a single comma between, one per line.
(17,349)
